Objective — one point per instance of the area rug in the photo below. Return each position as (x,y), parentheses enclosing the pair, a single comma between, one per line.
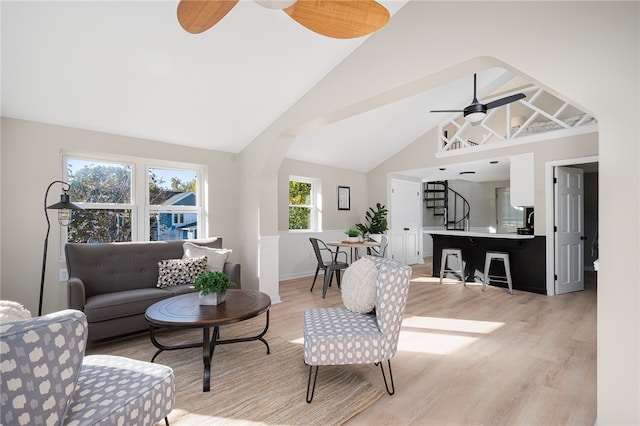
(247,385)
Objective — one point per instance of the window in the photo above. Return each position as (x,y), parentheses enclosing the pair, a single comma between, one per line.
(509,218)
(104,190)
(172,198)
(304,204)
(132,201)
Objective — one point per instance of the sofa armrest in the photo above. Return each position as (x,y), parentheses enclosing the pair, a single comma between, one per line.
(76,296)
(233,272)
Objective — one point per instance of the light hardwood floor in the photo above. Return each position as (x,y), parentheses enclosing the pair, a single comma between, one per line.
(471,358)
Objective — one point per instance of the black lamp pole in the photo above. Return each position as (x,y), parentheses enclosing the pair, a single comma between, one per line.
(64,218)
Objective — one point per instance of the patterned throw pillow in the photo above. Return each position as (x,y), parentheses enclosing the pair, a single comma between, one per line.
(180,271)
(215,257)
(359,286)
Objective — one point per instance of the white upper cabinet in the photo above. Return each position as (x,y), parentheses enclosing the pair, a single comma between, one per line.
(521,172)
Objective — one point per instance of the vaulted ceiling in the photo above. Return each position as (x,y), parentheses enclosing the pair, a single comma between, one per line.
(128,68)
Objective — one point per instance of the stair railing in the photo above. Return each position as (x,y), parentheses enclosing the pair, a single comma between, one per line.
(461,223)
(437,197)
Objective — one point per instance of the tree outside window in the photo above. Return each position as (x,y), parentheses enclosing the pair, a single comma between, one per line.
(104,189)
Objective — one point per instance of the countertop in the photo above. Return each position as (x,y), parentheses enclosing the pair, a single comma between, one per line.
(476,234)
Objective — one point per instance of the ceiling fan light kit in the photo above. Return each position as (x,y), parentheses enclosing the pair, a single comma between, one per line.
(475,112)
(341,19)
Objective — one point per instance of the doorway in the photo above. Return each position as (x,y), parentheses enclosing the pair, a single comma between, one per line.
(405,221)
(564,264)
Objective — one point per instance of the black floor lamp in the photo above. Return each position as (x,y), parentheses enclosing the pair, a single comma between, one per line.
(64,208)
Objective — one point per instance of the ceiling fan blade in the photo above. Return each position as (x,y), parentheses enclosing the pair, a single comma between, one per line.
(505,100)
(197,16)
(339,19)
(446,110)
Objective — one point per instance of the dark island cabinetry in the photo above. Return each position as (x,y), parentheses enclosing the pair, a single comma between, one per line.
(527,256)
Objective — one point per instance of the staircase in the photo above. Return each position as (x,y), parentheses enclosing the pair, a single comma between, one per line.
(447,203)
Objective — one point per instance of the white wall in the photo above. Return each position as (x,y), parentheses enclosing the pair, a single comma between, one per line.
(32,158)
(296,254)
(330,178)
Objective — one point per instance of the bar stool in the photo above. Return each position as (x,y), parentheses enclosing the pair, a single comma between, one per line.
(443,263)
(506,278)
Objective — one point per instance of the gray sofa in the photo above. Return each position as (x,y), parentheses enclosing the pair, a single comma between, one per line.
(114,283)
(46,379)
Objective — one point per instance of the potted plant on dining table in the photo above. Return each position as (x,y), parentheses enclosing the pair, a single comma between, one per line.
(353,235)
(212,286)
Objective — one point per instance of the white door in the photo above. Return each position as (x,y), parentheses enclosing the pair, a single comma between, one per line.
(569,235)
(405,221)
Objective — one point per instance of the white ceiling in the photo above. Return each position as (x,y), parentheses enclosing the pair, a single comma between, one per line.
(128,68)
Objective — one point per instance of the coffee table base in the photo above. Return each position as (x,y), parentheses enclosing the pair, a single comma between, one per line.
(209,343)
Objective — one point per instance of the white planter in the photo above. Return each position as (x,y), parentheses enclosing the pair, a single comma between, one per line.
(213,299)
(353,239)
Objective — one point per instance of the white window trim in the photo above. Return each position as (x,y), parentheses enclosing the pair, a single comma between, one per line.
(315,217)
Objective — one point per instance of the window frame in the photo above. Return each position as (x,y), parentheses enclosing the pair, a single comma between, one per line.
(139,206)
(315,206)
(199,208)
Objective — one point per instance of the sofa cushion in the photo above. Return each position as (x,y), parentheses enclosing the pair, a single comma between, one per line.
(359,286)
(180,271)
(108,306)
(215,257)
(180,289)
(114,390)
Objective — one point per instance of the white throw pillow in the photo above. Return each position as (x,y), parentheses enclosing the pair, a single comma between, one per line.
(359,286)
(12,311)
(215,257)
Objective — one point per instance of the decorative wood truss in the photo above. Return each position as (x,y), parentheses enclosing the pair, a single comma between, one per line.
(537,117)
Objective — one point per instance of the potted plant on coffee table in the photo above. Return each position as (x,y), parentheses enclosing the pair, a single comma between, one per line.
(212,286)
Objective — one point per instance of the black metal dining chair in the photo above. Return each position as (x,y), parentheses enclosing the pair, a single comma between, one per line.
(329,263)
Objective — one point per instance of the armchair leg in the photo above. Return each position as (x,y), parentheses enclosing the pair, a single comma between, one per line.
(384,376)
(311,389)
(166,421)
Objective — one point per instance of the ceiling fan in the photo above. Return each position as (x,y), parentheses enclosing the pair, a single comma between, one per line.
(475,112)
(332,18)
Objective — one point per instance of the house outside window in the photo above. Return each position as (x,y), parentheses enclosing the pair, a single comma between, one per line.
(132,200)
(172,197)
(304,204)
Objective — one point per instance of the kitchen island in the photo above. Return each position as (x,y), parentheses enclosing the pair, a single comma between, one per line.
(527,255)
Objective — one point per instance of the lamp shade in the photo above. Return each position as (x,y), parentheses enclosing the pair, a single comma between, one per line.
(64,208)
(64,203)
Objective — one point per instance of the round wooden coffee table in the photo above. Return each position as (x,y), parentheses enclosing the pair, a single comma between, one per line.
(185,311)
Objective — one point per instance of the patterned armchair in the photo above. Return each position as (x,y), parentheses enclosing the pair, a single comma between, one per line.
(335,336)
(47,380)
